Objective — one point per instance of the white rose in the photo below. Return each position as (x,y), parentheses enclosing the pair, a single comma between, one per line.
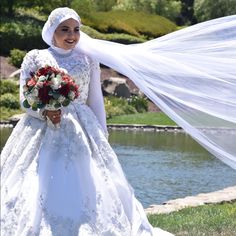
(71,95)
(35,92)
(61,99)
(42,78)
(56,82)
(30,99)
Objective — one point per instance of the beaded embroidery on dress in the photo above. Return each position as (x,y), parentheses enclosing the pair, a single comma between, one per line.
(68,181)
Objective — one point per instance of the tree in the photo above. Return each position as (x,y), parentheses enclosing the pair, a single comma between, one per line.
(167,8)
(186,16)
(83,7)
(9,6)
(210,9)
(104,5)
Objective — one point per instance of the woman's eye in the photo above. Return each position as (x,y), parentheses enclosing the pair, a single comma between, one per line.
(64,30)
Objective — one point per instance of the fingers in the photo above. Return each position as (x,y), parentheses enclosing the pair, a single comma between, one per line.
(54,116)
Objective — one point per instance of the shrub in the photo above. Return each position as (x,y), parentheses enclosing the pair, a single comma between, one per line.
(9,100)
(130,22)
(115,37)
(8,86)
(23,33)
(16,57)
(117,106)
(139,102)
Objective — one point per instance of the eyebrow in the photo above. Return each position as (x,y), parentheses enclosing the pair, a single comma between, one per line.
(67,27)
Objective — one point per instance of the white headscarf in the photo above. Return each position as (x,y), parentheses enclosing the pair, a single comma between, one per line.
(56,17)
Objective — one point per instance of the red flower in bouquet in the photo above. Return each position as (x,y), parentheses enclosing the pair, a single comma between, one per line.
(49,87)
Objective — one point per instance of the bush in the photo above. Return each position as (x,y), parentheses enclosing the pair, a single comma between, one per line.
(130,22)
(140,103)
(9,86)
(6,113)
(9,100)
(16,57)
(117,106)
(115,37)
(23,33)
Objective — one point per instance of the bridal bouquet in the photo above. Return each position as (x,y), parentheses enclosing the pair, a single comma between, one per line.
(49,88)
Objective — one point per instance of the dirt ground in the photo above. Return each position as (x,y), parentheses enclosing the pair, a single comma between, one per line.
(6,69)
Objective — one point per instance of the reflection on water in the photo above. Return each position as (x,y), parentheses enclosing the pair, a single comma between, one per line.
(164,166)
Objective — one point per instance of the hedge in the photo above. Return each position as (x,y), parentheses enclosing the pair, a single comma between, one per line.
(23,33)
(130,22)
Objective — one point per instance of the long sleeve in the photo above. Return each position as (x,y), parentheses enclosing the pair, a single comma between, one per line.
(28,66)
(95,98)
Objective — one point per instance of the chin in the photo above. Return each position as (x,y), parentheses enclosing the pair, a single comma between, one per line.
(69,47)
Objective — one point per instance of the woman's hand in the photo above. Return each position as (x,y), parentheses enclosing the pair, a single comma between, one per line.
(54,116)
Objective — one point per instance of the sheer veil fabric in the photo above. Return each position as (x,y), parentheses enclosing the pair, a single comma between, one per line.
(190,74)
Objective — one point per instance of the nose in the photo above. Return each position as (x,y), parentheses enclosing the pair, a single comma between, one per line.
(70,32)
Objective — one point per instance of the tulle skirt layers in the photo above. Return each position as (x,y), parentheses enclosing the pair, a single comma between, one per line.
(66,181)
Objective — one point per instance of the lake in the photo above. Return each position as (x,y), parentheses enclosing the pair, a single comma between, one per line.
(162,166)
(166,165)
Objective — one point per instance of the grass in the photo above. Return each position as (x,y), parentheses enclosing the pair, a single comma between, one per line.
(7,113)
(149,118)
(208,220)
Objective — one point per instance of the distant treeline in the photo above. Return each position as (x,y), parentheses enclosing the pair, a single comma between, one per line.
(182,12)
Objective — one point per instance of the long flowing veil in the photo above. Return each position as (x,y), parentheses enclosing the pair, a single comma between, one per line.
(190,74)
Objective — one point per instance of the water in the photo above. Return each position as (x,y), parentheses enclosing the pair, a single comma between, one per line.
(165,165)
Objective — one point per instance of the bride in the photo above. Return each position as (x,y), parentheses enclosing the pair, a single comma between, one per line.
(68,181)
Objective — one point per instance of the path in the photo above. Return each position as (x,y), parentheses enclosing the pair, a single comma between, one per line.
(225,195)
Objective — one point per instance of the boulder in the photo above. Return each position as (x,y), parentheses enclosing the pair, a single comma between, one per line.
(116,86)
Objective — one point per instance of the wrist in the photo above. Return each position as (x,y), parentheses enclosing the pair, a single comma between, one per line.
(42,114)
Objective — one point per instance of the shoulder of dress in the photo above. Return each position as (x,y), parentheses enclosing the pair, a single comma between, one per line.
(34,53)
(91,61)
(31,57)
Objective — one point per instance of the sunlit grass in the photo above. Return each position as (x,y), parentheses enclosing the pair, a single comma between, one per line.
(149,118)
(208,220)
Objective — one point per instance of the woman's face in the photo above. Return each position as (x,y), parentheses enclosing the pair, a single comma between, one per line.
(67,34)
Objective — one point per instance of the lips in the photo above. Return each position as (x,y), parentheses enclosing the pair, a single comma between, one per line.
(70,41)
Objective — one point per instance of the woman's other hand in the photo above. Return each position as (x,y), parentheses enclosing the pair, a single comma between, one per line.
(54,116)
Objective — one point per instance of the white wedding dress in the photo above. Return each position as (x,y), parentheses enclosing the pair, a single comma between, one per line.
(66,181)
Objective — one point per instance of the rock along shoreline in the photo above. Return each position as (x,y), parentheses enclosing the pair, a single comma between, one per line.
(225,195)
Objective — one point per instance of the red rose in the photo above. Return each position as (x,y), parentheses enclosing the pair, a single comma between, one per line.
(31,82)
(64,90)
(44,94)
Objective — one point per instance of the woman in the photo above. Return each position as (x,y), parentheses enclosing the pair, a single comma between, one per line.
(66,181)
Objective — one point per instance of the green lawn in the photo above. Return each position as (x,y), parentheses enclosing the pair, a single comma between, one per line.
(6,113)
(208,220)
(154,118)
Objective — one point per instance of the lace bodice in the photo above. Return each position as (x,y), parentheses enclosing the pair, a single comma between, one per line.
(78,65)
